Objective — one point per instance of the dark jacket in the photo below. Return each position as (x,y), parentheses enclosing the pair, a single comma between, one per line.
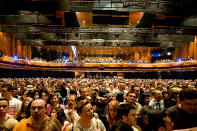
(121,126)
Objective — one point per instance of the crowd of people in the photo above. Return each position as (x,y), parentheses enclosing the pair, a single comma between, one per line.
(110,104)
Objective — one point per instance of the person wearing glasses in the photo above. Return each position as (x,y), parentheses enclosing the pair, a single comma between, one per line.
(38,115)
(7,123)
(131,100)
(184,114)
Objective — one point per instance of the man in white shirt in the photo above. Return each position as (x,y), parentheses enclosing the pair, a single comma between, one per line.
(156,103)
(14,104)
(71,113)
(6,122)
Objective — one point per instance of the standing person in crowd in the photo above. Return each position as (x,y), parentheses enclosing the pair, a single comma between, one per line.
(50,124)
(160,122)
(144,116)
(144,99)
(83,94)
(14,104)
(38,115)
(157,102)
(6,122)
(184,114)
(128,118)
(53,102)
(121,88)
(58,113)
(112,114)
(131,100)
(70,112)
(173,97)
(43,94)
(24,110)
(137,90)
(86,121)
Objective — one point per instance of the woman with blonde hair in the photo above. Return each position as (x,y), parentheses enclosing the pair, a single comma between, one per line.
(112,114)
(50,124)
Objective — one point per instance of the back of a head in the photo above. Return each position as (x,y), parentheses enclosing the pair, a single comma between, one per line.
(147,111)
(156,120)
(188,93)
(120,97)
(50,124)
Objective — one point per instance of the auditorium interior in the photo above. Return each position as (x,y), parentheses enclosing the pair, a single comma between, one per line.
(98,38)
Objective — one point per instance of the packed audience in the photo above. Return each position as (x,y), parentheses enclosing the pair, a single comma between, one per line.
(110,104)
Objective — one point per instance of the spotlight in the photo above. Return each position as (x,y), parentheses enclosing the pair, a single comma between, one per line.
(15,57)
(169,53)
(179,60)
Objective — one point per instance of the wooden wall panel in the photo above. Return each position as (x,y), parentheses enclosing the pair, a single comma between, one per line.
(143,56)
(24,49)
(195,48)
(12,47)
(85,19)
(19,50)
(29,55)
(137,56)
(176,53)
(191,49)
(184,51)
(1,42)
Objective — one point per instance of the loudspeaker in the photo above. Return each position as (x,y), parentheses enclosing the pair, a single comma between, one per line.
(71,19)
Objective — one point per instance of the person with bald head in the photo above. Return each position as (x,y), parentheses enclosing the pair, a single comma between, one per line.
(38,115)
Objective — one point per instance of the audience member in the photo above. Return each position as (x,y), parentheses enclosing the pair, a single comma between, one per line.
(58,113)
(14,104)
(184,114)
(50,124)
(7,123)
(23,112)
(128,118)
(86,120)
(70,112)
(53,102)
(38,115)
(112,114)
(131,99)
(157,102)
(160,122)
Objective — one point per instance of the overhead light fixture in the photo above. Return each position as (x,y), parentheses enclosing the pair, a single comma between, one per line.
(169,53)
